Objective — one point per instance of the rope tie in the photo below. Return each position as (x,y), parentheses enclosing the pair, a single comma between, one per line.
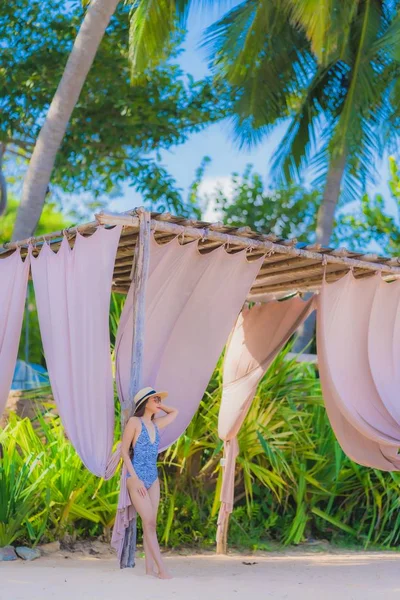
(324,265)
(205,233)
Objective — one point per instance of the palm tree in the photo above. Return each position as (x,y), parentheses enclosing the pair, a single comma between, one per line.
(330,70)
(50,137)
(153,23)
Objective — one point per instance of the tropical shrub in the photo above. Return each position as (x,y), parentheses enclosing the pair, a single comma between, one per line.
(293,481)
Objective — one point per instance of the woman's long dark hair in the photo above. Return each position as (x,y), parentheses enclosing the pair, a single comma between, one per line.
(139,412)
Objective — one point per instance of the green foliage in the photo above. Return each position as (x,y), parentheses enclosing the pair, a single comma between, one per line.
(292,482)
(117,129)
(152,24)
(68,494)
(30,343)
(30,347)
(372,223)
(19,494)
(51,220)
(330,72)
(291,211)
(286,212)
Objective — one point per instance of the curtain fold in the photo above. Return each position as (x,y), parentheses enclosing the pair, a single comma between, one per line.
(14,280)
(73,290)
(260,332)
(358,346)
(192,301)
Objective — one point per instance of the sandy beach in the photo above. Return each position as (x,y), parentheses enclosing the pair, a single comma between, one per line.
(66,576)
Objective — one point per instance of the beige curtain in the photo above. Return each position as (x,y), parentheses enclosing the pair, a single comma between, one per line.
(13,282)
(73,289)
(259,334)
(358,338)
(192,302)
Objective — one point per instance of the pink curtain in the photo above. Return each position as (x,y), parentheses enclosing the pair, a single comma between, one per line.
(72,291)
(260,332)
(192,301)
(13,282)
(358,348)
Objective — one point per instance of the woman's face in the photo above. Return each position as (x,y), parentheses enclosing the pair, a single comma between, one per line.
(153,404)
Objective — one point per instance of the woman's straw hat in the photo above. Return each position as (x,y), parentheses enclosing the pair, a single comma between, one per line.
(146,393)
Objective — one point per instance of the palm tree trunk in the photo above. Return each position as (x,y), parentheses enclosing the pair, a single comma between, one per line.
(51,135)
(3,183)
(326,213)
(325,221)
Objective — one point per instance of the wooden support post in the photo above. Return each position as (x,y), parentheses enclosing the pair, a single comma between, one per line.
(222,536)
(227,494)
(140,274)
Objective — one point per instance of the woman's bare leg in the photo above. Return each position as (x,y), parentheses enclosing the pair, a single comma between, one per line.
(144,508)
(154,493)
(148,559)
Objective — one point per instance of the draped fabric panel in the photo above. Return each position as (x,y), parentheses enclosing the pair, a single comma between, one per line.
(192,301)
(260,332)
(72,291)
(14,279)
(358,346)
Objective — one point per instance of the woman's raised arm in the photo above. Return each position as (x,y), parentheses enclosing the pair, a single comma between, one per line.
(171,415)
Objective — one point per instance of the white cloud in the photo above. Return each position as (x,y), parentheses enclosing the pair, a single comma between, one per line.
(207,192)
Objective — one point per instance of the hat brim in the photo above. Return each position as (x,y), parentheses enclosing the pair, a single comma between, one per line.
(161,394)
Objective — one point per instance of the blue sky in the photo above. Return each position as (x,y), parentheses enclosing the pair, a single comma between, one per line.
(216,141)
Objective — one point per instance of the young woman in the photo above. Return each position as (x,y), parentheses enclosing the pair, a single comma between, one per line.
(142,433)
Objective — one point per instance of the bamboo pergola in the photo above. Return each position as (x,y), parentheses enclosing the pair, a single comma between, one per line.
(288,266)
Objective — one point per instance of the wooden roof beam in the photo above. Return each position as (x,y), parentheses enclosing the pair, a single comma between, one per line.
(245,243)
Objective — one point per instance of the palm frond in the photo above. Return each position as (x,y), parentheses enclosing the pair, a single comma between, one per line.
(153,25)
(326,24)
(262,59)
(308,126)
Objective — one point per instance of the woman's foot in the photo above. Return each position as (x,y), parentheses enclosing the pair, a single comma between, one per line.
(164,575)
(152,572)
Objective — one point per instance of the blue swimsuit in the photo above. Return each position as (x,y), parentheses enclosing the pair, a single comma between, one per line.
(145,456)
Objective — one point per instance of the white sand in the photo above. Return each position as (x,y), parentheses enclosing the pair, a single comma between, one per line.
(346,576)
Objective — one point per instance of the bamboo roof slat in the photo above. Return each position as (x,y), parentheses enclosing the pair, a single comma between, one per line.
(293,275)
(313,247)
(291,242)
(124,262)
(270,237)
(288,266)
(306,285)
(393,262)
